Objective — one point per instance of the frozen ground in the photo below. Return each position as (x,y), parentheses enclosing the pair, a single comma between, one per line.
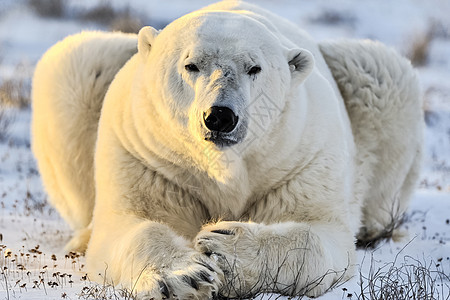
(32,234)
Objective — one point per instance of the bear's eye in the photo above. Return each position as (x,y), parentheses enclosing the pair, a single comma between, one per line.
(254,70)
(191,68)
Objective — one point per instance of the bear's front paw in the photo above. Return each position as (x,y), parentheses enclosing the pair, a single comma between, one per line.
(236,248)
(196,278)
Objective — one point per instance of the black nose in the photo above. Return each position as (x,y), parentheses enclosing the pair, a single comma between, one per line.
(221,119)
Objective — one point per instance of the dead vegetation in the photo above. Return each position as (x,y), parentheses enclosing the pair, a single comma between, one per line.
(126,23)
(421,42)
(420,48)
(117,19)
(334,18)
(436,113)
(270,280)
(15,89)
(105,291)
(404,278)
(29,269)
(6,120)
(15,93)
(104,13)
(369,240)
(48,8)
(408,279)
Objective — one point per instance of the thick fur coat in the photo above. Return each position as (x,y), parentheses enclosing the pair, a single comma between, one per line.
(176,209)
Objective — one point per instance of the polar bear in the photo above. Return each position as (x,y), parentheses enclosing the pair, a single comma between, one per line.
(223,159)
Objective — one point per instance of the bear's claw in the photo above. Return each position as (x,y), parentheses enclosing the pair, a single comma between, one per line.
(164,289)
(224,231)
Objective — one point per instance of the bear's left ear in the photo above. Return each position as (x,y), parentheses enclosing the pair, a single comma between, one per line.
(301,63)
(145,39)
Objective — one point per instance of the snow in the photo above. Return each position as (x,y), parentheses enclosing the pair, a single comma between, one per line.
(33,231)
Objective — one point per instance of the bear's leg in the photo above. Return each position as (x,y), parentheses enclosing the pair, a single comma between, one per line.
(150,259)
(289,258)
(383,213)
(79,240)
(382,97)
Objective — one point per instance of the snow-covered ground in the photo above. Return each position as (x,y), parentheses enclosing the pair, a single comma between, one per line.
(32,234)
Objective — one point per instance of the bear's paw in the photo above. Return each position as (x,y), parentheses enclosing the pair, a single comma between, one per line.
(197,277)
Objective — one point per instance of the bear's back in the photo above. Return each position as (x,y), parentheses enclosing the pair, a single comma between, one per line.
(69,85)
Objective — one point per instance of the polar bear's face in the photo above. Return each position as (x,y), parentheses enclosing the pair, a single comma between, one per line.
(209,70)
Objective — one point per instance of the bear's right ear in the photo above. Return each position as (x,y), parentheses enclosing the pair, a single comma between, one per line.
(145,39)
(301,63)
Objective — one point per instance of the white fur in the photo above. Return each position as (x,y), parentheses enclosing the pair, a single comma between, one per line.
(288,195)
(385,109)
(68,90)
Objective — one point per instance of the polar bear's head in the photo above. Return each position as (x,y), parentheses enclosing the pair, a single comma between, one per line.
(219,81)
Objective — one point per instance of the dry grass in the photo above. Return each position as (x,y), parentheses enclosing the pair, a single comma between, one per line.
(31,269)
(420,47)
(334,18)
(15,90)
(409,279)
(48,8)
(6,120)
(420,44)
(104,13)
(387,233)
(269,281)
(369,240)
(15,93)
(105,291)
(126,23)
(116,19)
